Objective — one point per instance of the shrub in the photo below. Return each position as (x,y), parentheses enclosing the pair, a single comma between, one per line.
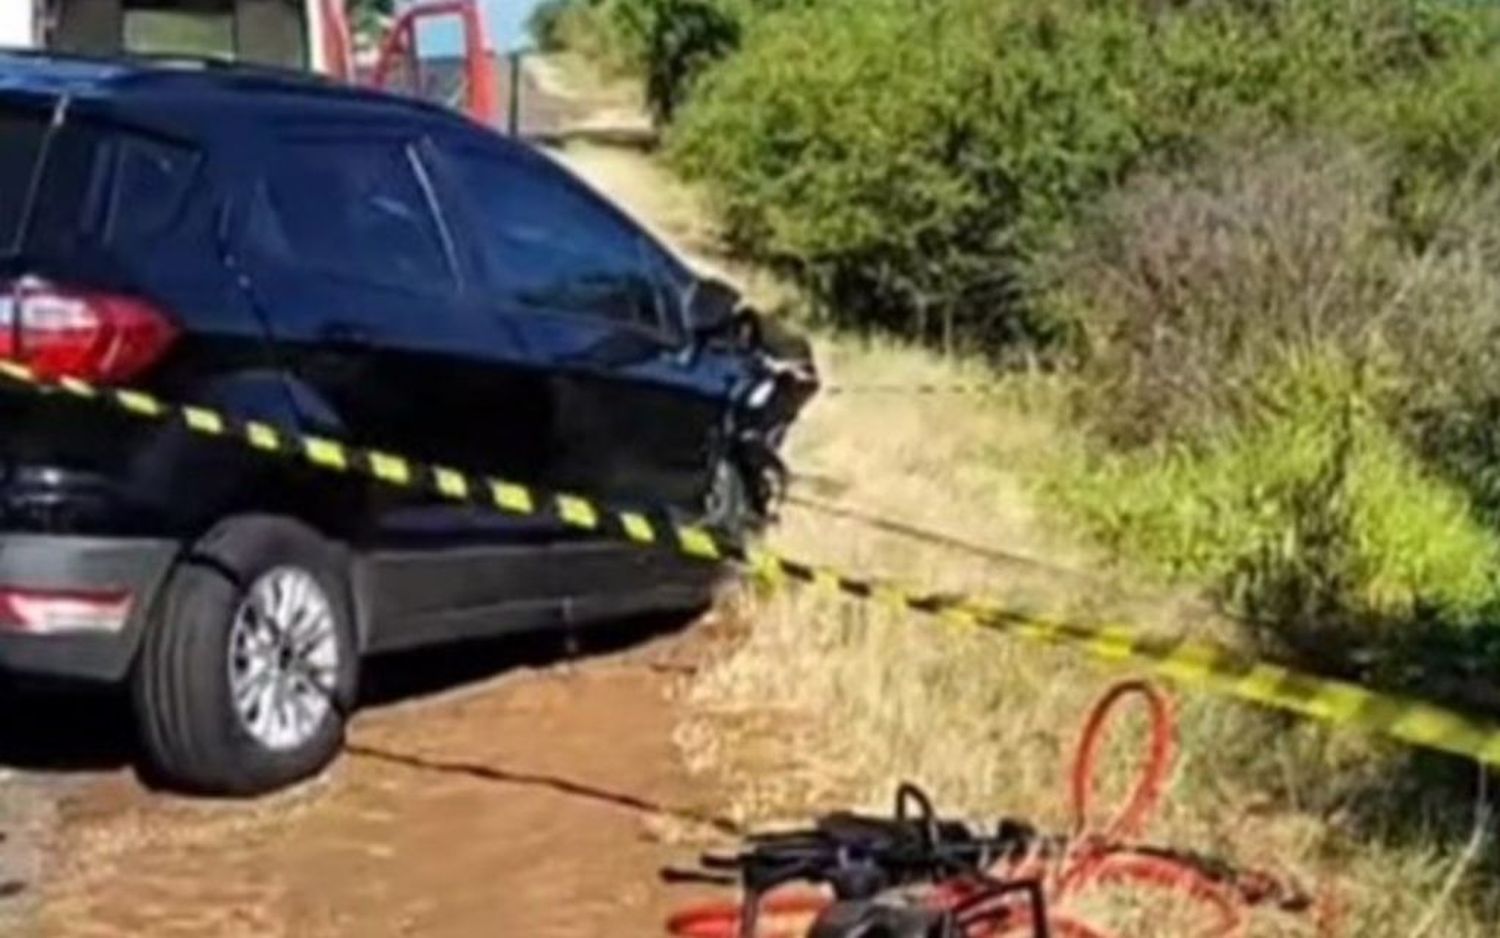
(675,41)
(664,44)
(1310,516)
(1444,130)
(905,161)
(1186,285)
(1303,399)
(1295,62)
(548,23)
(1449,337)
(1139,179)
(887,173)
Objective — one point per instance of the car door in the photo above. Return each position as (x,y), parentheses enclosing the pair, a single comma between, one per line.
(635,416)
(371,313)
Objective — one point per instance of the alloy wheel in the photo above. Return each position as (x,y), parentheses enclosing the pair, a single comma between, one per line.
(283,659)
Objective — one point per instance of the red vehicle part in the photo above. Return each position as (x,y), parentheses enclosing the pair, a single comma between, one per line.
(398,58)
(64,332)
(338,44)
(480,100)
(1097,854)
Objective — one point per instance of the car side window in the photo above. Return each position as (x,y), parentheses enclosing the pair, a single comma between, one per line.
(356,209)
(21,135)
(102,183)
(152,181)
(68,206)
(547,245)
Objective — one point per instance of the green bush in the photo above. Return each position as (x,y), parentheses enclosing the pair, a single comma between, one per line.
(1449,339)
(1444,130)
(899,179)
(907,161)
(1184,286)
(675,41)
(664,44)
(548,23)
(1294,401)
(1233,220)
(1310,515)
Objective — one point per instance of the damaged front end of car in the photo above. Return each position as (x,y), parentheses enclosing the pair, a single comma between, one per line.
(779,380)
(762,417)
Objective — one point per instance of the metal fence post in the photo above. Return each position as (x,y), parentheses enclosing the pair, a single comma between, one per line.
(513,120)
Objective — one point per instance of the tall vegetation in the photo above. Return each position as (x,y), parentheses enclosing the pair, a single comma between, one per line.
(908,161)
(1257,247)
(1290,390)
(1260,241)
(667,44)
(367,18)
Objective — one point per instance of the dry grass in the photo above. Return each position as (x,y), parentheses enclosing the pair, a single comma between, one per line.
(574,76)
(825,703)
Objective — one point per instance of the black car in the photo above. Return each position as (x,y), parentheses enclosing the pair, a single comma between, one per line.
(333,262)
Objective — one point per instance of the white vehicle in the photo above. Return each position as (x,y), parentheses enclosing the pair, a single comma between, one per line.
(308,35)
(17,25)
(289,33)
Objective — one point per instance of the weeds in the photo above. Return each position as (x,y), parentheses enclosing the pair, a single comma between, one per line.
(1311,518)
(910,186)
(1284,443)
(826,702)
(1186,286)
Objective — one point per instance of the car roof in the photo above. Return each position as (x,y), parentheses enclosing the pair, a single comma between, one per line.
(195,95)
(199,99)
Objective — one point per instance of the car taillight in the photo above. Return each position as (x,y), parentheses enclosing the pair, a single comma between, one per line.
(60,331)
(53,612)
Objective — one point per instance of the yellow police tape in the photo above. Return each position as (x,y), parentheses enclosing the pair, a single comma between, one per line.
(1196,664)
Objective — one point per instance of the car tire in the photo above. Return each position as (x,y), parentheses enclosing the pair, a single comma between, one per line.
(249,666)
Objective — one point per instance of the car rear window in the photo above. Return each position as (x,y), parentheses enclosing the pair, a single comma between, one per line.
(100,184)
(152,179)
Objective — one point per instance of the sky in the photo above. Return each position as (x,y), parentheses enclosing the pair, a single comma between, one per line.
(505,20)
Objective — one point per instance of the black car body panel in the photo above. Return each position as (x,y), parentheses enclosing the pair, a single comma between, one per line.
(347,264)
(137,565)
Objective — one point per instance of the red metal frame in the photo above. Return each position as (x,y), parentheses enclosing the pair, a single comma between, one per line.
(338,43)
(481,101)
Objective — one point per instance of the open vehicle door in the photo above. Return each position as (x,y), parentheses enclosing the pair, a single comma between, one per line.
(469,84)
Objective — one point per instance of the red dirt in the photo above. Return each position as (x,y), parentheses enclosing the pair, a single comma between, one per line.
(522,807)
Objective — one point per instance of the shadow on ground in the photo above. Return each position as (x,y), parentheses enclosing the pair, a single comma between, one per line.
(562,786)
(57,729)
(79,729)
(393,679)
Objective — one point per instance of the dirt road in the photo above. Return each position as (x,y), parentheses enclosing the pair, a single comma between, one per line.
(538,803)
